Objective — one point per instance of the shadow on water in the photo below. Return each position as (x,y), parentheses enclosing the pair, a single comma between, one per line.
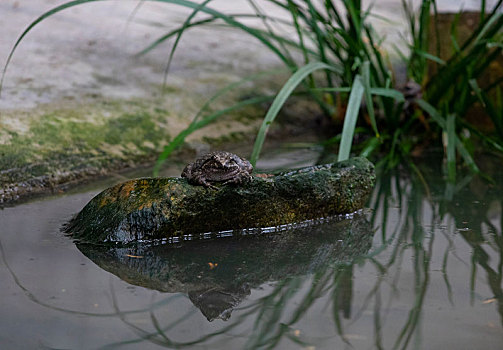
(421,269)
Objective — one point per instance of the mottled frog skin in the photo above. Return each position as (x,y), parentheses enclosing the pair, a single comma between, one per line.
(219,166)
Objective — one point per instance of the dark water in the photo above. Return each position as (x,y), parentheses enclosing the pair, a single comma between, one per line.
(421,269)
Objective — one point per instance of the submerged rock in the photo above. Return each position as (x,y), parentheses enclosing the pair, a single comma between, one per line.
(162,208)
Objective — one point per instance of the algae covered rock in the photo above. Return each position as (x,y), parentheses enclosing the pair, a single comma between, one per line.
(162,208)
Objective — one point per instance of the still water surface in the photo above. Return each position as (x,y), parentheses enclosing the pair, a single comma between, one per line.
(416,270)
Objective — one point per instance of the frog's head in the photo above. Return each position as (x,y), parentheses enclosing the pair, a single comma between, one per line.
(230,162)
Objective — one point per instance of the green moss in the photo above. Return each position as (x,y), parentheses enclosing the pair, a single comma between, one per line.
(70,139)
(11,157)
(135,128)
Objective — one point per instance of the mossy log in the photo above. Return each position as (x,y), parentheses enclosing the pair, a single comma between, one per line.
(162,208)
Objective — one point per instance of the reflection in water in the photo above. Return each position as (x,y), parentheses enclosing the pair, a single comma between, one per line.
(481,227)
(432,213)
(418,234)
(421,269)
(217,275)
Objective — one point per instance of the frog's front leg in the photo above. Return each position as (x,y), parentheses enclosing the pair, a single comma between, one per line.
(201,180)
(239,180)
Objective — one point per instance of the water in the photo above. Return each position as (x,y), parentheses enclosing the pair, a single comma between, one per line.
(414,271)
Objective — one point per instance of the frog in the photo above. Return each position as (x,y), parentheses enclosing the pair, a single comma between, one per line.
(218,167)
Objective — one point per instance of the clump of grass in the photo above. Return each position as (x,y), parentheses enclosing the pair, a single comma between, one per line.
(337,41)
(451,87)
(352,57)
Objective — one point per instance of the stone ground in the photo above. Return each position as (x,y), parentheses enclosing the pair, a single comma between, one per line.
(77,102)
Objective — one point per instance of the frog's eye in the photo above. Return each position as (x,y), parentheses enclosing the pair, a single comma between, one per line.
(231,163)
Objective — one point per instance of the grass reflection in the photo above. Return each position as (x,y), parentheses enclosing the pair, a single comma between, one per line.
(369,282)
(464,208)
(297,271)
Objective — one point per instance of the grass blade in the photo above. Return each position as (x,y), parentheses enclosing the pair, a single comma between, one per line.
(370,147)
(435,115)
(355,100)
(430,57)
(451,147)
(386,92)
(487,27)
(134,12)
(265,21)
(365,72)
(432,112)
(212,19)
(231,21)
(174,32)
(476,89)
(280,100)
(33,24)
(180,138)
(195,124)
(466,156)
(185,25)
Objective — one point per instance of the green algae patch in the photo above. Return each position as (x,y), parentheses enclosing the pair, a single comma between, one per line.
(70,144)
(162,208)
